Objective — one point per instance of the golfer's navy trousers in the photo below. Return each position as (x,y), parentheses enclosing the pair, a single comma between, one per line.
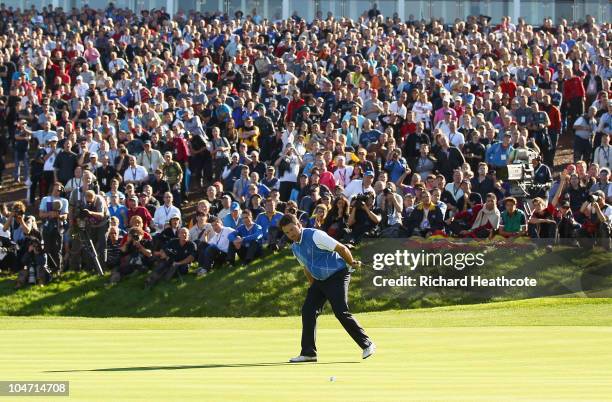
(334,289)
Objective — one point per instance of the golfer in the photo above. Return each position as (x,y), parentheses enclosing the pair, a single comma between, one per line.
(326,263)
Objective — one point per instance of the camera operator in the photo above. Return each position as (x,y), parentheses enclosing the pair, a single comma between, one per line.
(53,211)
(391,205)
(598,225)
(136,254)
(88,214)
(175,257)
(363,218)
(35,269)
(20,226)
(542,178)
(538,130)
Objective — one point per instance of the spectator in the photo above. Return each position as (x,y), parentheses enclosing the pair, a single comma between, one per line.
(246,240)
(425,219)
(175,256)
(513,220)
(215,251)
(597,227)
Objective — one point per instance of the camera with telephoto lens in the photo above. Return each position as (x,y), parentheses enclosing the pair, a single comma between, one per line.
(592,198)
(361,199)
(81,217)
(135,235)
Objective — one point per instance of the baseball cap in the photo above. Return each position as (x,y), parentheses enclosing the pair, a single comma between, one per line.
(93,155)
(53,138)
(174,216)
(369,173)
(235,206)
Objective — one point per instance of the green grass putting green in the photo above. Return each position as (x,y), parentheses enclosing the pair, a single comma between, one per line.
(271,286)
(540,349)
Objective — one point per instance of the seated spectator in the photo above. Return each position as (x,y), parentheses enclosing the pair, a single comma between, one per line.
(425,219)
(214,253)
(513,220)
(317,219)
(542,223)
(246,240)
(234,218)
(175,258)
(268,220)
(336,221)
(463,220)
(486,222)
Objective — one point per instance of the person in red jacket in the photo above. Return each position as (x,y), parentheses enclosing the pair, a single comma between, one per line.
(573,96)
(294,105)
(508,86)
(554,115)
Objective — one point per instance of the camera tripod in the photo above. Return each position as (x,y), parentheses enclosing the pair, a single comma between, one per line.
(86,245)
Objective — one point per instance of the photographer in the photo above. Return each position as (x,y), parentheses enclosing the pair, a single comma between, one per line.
(363,218)
(88,216)
(35,263)
(53,211)
(136,253)
(598,225)
(20,226)
(391,205)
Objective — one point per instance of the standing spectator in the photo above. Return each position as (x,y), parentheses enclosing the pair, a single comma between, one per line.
(573,96)
(584,128)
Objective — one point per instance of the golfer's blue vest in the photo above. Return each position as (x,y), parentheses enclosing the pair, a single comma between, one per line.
(320,263)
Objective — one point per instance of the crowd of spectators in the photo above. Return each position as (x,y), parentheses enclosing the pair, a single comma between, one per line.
(369,128)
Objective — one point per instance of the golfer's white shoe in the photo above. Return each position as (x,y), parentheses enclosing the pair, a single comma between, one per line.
(303,359)
(369,351)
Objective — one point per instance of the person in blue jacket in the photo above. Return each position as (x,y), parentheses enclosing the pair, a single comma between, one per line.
(396,166)
(326,265)
(268,221)
(497,156)
(246,240)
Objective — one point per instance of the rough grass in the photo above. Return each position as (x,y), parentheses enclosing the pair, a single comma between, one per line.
(272,286)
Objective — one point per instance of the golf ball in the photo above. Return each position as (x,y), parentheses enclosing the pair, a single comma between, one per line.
(332,378)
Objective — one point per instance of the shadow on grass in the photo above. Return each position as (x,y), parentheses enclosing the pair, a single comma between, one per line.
(198,366)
